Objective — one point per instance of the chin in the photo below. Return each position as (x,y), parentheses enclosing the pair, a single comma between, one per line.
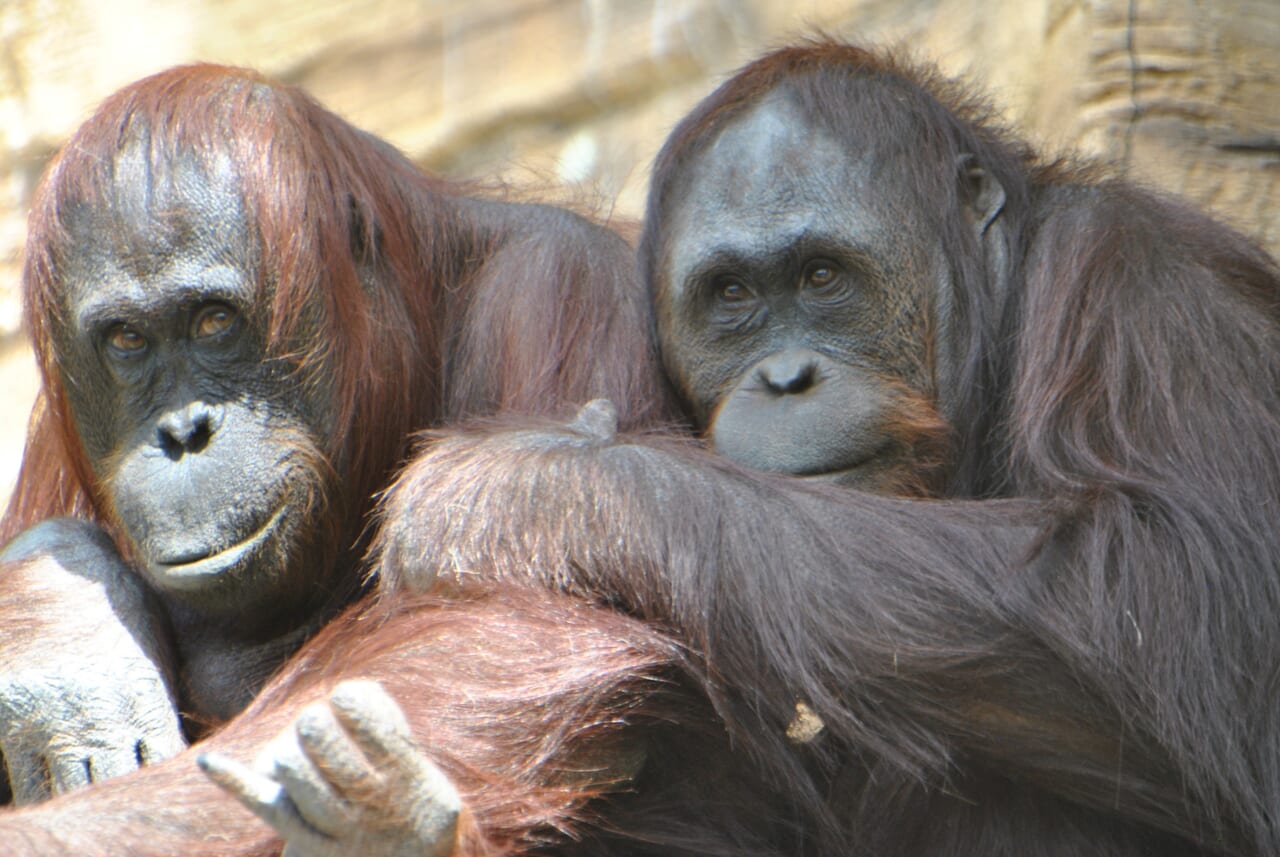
(889,475)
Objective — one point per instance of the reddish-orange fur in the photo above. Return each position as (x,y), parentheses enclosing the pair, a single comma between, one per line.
(518,694)
(456,307)
(478,309)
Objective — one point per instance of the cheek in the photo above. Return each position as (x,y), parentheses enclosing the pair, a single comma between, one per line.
(701,365)
(102,428)
(251,465)
(908,345)
(702,374)
(309,392)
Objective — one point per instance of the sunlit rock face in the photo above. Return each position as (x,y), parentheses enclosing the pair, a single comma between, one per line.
(573,97)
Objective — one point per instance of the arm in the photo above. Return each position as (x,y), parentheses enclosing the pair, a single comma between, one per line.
(927,633)
(85,669)
(526,701)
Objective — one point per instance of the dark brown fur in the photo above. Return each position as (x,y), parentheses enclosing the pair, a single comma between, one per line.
(1074,654)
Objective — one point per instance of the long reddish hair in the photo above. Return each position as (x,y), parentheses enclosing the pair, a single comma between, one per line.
(374,280)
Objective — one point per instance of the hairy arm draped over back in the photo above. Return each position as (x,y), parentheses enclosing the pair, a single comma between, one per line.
(1090,613)
(923,631)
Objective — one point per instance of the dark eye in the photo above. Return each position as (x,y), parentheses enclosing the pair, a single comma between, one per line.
(732,291)
(821,275)
(126,341)
(212,320)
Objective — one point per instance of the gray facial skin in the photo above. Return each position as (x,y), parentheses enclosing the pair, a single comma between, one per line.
(796,305)
(193,431)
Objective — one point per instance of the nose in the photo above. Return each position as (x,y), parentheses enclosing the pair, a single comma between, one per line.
(789,372)
(188,429)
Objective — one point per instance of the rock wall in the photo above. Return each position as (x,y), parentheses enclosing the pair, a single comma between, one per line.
(574,96)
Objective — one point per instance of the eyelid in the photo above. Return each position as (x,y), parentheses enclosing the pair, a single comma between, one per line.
(210,309)
(820,263)
(114,330)
(714,277)
(842,284)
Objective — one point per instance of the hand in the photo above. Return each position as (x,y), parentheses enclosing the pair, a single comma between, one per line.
(347,780)
(84,677)
(406,555)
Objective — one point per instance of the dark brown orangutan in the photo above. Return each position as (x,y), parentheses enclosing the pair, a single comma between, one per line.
(1076,651)
(1071,654)
(243,308)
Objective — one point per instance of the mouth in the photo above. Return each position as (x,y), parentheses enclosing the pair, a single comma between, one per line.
(828,475)
(853,472)
(846,477)
(886,476)
(852,467)
(191,569)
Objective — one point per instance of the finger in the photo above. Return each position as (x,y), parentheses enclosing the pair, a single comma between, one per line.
(28,776)
(374,721)
(260,794)
(68,771)
(157,748)
(266,799)
(597,419)
(161,729)
(106,764)
(436,809)
(328,747)
(312,795)
(377,725)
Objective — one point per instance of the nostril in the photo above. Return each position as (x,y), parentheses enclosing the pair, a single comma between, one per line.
(803,380)
(785,377)
(171,435)
(201,431)
(188,429)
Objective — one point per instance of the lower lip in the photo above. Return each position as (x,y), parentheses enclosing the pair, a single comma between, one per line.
(858,466)
(218,563)
(827,475)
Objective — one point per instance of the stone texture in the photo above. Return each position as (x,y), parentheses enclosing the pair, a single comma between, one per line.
(571,98)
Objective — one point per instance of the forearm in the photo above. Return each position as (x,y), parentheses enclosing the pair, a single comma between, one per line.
(532,704)
(921,631)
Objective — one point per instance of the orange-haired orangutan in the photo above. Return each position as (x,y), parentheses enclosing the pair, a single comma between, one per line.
(243,308)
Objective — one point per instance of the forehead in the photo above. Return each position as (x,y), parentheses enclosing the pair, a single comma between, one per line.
(769,179)
(149,225)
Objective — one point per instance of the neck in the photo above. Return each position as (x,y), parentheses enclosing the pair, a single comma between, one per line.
(221,668)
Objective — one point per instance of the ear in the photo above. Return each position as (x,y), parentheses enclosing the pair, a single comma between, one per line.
(983,200)
(366,242)
(366,237)
(980,192)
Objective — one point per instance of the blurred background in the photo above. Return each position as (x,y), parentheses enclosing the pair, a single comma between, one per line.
(575,96)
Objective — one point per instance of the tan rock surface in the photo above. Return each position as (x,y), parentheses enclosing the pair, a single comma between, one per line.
(575,97)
